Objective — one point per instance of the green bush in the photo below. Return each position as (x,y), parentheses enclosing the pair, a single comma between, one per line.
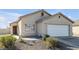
(45,36)
(8,41)
(51,42)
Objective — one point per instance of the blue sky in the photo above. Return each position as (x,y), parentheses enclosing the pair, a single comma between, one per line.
(9,15)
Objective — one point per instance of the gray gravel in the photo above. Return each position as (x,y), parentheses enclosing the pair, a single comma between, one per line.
(30,45)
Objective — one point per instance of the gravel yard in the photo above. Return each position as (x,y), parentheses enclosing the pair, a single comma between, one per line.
(31,45)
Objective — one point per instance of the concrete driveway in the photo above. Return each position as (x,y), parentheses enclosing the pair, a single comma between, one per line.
(69,42)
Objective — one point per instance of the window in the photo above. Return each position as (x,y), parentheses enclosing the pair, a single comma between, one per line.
(30,27)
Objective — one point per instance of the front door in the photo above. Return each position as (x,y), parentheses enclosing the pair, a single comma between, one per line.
(15,30)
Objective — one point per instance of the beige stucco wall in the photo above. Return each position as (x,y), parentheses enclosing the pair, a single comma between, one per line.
(19,28)
(54,20)
(30,21)
(39,29)
(75,30)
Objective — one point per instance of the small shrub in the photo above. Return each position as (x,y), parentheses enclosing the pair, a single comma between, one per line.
(51,42)
(1,46)
(46,36)
(8,41)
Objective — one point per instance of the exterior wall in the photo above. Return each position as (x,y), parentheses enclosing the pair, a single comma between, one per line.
(19,28)
(54,20)
(75,30)
(30,21)
(39,27)
(4,31)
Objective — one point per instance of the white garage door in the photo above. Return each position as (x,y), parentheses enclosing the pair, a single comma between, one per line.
(58,30)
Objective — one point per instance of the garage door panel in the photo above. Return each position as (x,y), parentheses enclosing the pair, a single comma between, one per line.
(57,30)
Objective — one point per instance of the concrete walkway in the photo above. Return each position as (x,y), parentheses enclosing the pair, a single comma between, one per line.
(26,38)
(30,38)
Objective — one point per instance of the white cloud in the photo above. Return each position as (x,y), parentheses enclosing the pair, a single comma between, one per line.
(70,17)
(12,16)
(7,17)
(2,19)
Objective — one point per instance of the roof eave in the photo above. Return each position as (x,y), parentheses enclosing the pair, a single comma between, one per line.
(66,17)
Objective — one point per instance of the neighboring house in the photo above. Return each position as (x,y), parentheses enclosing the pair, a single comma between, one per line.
(41,23)
(4,31)
(75,28)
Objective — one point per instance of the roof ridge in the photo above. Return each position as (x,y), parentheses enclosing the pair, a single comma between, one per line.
(60,14)
(42,10)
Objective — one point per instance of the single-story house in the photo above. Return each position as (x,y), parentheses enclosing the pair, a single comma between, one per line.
(41,23)
(75,28)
